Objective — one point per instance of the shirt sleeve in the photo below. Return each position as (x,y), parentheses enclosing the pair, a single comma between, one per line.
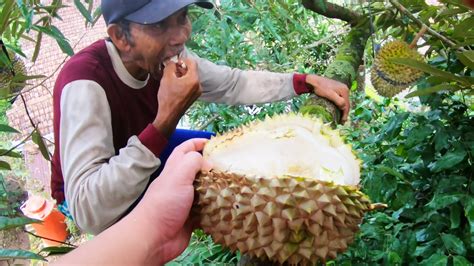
(222,84)
(99,185)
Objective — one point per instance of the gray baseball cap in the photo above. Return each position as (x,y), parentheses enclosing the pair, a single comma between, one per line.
(145,11)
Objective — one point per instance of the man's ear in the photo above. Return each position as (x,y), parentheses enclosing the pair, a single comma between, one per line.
(118,37)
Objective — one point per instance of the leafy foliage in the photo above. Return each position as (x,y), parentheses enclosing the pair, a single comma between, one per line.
(418,157)
(421,165)
(29,21)
(259,35)
(203,251)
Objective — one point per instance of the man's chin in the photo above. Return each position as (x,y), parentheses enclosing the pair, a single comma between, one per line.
(158,74)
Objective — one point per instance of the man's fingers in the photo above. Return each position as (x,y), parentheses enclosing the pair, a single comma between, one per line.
(189,166)
(347,104)
(196,144)
(206,166)
(170,69)
(190,64)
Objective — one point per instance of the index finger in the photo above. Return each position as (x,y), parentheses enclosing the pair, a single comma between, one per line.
(347,106)
(190,63)
(196,144)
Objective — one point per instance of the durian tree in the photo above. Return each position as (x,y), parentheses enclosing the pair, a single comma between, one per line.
(418,162)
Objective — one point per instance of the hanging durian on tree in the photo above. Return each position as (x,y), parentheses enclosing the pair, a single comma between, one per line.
(284,190)
(10,67)
(389,78)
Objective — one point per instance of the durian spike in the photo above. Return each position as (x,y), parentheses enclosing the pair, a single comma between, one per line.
(377,206)
(418,36)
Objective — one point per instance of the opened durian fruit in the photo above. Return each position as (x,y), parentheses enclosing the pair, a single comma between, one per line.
(389,78)
(284,190)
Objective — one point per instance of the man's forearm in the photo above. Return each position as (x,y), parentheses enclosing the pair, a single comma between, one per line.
(125,243)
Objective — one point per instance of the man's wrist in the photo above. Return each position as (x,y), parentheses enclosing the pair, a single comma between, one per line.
(165,126)
(300,85)
(153,139)
(148,234)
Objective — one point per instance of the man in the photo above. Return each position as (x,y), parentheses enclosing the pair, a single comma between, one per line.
(117,103)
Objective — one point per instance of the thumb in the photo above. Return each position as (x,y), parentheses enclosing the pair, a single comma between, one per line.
(182,170)
(170,69)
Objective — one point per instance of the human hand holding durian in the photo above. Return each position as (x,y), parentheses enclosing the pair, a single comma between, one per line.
(284,190)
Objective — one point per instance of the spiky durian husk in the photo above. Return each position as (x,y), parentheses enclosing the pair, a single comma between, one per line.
(6,75)
(285,218)
(389,78)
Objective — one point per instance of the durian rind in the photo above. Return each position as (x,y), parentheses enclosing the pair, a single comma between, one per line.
(6,75)
(283,219)
(281,215)
(389,78)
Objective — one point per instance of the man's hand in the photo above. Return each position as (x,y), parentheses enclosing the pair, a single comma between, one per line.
(177,93)
(158,229)
(333,90)
(165,208)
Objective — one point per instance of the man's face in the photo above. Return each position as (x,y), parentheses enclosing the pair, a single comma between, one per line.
(155,44)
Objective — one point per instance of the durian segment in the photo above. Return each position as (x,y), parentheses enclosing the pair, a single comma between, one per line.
(286,219)
(292,145)
(389,78)
(268,194)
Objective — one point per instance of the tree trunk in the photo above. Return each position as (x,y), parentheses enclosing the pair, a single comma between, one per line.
(344,68)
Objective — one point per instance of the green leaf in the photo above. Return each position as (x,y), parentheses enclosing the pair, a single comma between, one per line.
(467,58)
(461,261)
(436,260)
(58,36)
(469,213)
(5,166)
(453,244)
(96,15)
(428,69)
(449,160)
(38,140)
(8,129)
(441,201)
(426,249)
(85,13)
(8,223)
(394,125)
(441,139)
(19,254)
(393,258)
(464,27)
(7,8)
(455,216)
(437,88)
(39,37)
(22,78)
(418,135)
(10,153)
(57,250)
(390,171)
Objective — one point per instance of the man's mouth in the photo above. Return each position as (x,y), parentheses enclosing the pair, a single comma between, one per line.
(182,67)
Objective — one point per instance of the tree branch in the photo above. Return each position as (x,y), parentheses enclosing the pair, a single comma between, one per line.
(405,11)
(343,68)
(331,10)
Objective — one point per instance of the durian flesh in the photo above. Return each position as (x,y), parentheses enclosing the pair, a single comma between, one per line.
(284,190)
